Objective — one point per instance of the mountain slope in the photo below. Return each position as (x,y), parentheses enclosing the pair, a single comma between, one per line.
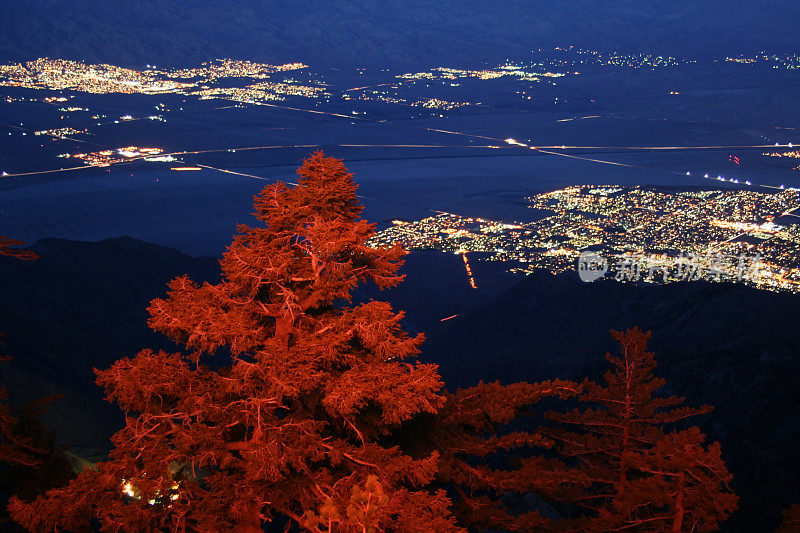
(82,306)
(727,345)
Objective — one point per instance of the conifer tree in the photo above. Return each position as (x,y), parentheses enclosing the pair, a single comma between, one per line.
(12,248)
(282,404)
(490,455)
(15,449)
(636,474)
(791,520)
(30,462)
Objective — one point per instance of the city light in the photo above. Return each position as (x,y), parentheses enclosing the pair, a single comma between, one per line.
(656,224)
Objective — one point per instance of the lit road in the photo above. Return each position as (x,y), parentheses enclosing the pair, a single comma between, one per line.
(541,149)
(554,150)
(241,149)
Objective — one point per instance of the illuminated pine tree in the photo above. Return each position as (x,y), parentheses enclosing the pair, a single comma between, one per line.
(488,452)
(13,248)
(30,463)
(282,403)
(637,475)
(791,520)
(15,449)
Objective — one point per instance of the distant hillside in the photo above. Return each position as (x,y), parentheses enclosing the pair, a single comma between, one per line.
(727,345)
(363,32)
(82,305)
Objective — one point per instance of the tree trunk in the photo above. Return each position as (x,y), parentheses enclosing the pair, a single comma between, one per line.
(677,522)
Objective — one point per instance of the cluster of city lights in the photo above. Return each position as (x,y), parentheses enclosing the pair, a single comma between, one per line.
(662,226)
(106,158)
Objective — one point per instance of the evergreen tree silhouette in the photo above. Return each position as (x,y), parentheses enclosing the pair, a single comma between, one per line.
(30,461)
(632,473)
(283,402)
(791,520)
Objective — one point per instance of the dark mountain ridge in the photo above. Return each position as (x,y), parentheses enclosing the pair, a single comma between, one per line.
(727,345)
(82,305)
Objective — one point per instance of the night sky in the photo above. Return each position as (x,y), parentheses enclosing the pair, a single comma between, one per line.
(363,32)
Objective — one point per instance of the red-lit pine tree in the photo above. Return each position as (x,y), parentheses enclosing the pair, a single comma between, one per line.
(791,520)
(30,460)
(12,248)
(638,476)
(15,449)
(490,454)
(283,403)
(30,463)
